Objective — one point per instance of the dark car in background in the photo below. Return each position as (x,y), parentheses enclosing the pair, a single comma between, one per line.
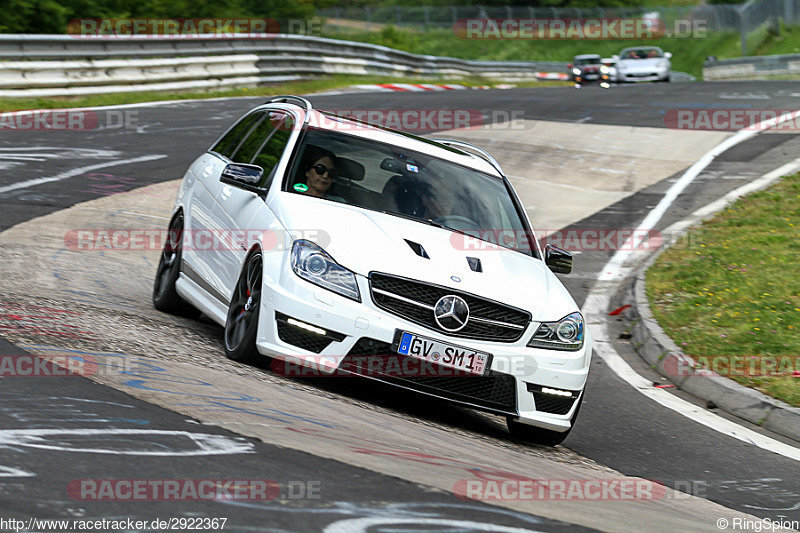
(586,68)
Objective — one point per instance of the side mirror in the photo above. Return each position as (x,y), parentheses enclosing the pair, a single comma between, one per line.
(569,66)
(668,55)
(558,260)
(243,176)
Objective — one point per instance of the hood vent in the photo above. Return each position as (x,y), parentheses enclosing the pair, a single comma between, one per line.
(475,264)
(418,249)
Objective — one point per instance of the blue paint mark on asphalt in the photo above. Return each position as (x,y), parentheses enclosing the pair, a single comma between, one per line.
(150,373)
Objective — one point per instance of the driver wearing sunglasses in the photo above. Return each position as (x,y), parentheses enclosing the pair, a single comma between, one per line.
(320,171)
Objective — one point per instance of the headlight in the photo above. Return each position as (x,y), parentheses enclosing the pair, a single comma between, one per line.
(311,263)
(604,69)
(576,71)
(565,335)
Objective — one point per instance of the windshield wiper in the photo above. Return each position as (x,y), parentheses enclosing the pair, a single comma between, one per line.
(428,221)
(435,224)
(431,222)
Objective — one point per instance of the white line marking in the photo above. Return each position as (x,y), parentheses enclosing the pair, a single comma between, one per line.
(10,471)
(717,205)
(597,302)
(612,270)
(68,440)
(357,525)
(618,365)
(77,172)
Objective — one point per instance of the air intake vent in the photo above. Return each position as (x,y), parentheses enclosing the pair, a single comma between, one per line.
(475,264)
(418,249)
(415,301)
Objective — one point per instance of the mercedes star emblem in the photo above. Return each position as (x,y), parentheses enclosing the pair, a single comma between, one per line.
(451,312)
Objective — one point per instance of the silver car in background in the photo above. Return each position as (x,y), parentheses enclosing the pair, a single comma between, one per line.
(642,63)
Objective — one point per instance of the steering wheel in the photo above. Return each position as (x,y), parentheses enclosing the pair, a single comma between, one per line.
(453,221)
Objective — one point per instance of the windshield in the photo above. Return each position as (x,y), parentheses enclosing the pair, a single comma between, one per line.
(587,61)
(642,53)
(386,178)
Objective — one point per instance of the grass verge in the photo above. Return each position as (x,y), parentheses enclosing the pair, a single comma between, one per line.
(297,87)
(688,53)
(785,42)
(729,292)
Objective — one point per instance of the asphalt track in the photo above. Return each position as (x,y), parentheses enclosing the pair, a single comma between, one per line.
(616,428)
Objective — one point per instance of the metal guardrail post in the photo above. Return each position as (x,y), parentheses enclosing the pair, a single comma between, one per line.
(743,27)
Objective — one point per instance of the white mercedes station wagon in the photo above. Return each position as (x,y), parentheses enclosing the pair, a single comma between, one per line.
(328,243)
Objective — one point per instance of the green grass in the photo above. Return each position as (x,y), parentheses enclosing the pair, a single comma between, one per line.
(688,53)
(298,87)
(731,288)
(787,42)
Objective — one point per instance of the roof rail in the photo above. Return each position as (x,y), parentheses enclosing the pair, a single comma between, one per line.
(477,151)
(291,99)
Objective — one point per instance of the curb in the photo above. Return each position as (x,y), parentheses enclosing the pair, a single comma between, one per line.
(423,87)
(410,87)
(657,349)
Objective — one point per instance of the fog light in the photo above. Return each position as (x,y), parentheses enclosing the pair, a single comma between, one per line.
(557,392)
(307,327)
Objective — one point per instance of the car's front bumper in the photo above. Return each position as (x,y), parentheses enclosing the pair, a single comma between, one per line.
(353,322)
(642,76)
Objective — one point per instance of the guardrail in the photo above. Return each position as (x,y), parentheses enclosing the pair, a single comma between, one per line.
(63,65)
(752,68)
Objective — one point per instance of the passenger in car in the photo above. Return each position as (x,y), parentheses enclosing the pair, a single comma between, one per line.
(319,172)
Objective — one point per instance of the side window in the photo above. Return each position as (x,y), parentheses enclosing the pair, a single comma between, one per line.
(228,144)
(270,152)
(257,136)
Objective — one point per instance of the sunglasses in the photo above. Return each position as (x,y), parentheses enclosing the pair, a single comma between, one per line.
(322,169)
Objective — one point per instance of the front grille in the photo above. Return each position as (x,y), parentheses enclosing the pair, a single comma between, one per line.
(548,403)
(414,301)
(494,391)
(302,338)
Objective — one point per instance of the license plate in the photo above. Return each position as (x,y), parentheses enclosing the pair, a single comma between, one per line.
(444,354)
(591,76)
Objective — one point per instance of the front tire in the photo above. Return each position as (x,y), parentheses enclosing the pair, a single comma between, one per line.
(241,326)
(537,435)
(165,296)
